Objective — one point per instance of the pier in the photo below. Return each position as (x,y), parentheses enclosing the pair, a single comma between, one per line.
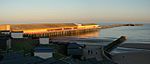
(51,30)
(60,33)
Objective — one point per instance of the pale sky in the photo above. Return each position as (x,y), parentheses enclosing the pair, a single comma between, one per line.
(38,11)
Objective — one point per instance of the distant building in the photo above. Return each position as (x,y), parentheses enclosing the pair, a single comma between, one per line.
(17,34)
(43,52)
(6,38)
(5,32)
(44,40)
(85,51)
(80,51)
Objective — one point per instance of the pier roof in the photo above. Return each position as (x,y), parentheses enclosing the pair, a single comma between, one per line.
(38,26)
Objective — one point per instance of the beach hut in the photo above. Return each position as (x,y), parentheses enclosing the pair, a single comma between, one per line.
(44,40)
(17,34)
(43,52)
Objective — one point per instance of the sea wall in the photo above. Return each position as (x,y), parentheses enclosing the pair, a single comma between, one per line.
(118,25)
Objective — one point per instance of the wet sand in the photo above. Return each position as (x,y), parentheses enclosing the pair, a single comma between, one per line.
(136,45)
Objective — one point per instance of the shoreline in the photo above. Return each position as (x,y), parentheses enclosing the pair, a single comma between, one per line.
(136,45)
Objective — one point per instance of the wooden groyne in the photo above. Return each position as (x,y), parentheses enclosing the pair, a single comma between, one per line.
(115,43)
(119,25)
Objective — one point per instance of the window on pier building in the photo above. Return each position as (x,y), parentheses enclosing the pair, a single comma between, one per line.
(67,28)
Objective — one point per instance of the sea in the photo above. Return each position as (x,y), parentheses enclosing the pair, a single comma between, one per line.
(135,34)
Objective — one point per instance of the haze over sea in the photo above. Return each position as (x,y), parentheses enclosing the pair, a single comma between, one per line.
(135,34)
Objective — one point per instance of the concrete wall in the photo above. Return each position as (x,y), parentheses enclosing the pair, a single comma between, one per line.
(92,51)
